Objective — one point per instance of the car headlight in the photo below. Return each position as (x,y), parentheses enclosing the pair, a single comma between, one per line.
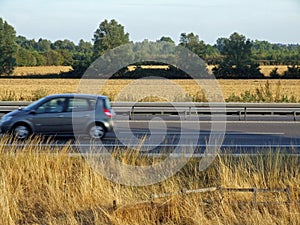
(5,118)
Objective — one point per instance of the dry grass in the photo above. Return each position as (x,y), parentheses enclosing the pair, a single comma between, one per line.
(40,70)
(46,186)
(123,90)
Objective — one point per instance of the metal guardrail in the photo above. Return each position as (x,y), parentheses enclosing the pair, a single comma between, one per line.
(203,108)
(188,109)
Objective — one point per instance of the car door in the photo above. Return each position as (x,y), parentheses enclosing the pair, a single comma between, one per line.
(82,113)
(50,117)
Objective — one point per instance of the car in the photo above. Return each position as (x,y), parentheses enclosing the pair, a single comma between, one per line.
(61,115)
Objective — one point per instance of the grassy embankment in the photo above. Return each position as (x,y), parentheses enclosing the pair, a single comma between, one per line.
(53,188)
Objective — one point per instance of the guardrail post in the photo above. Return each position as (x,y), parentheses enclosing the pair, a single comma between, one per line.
(295,114)
(245,113)
(240,115)
(132,113)
(129,115)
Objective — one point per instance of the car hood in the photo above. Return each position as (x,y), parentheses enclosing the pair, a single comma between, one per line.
(16,112)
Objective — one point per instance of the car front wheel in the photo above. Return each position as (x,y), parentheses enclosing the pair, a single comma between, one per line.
(97,131)
(21,132)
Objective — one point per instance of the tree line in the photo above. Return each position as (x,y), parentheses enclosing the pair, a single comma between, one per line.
(234,57)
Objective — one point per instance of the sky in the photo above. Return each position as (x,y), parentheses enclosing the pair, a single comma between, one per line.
(276,21)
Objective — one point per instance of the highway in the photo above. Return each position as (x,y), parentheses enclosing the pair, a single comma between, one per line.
(238,136)
(156,134)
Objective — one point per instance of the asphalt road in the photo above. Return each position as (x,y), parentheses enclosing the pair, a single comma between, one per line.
(237,136)
(169,134)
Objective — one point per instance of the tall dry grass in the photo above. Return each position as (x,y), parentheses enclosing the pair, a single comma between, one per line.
(47,186)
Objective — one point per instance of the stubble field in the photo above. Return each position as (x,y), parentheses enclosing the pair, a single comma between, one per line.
(40,70)
(123,90)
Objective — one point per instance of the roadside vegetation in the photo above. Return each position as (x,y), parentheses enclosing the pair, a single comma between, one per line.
(263,94)
(43,185)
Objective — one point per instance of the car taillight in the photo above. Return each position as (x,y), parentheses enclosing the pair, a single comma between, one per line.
(107,112)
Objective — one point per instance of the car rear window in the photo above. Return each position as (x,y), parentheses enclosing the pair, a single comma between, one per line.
(106,103)
(103,103)
(81,104)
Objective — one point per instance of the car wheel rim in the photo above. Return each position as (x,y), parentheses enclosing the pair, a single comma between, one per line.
(97,132)
(21,132)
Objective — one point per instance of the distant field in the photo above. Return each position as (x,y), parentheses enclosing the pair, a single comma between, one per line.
(40,70)
(31,89)
(265,69)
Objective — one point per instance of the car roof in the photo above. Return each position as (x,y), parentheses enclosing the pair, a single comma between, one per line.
(69,95)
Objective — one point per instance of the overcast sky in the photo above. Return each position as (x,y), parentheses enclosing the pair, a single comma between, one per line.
(277,21)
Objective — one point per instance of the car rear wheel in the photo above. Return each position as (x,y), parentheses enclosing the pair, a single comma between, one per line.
(97,131)
(21,132)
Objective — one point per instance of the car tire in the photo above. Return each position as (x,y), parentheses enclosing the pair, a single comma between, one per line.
(21,132)
(96,131)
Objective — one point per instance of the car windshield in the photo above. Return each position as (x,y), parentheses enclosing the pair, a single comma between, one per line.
(34,104)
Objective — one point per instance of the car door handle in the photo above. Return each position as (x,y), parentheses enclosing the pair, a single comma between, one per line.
(60,116)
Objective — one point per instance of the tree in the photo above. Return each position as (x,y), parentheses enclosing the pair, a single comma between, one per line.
(192,42)
(8,48)
(43,45)
(109,35)
(63,45)
(237,50)
(53,58)
(82,57)
(25,57)
(166,39)
(237,62)
(84,47)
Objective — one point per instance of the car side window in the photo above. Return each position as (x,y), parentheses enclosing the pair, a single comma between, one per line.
(79,104)
(56,105)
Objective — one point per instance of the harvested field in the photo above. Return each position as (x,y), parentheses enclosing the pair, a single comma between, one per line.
(40,70)
(31,89)
(265,69)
